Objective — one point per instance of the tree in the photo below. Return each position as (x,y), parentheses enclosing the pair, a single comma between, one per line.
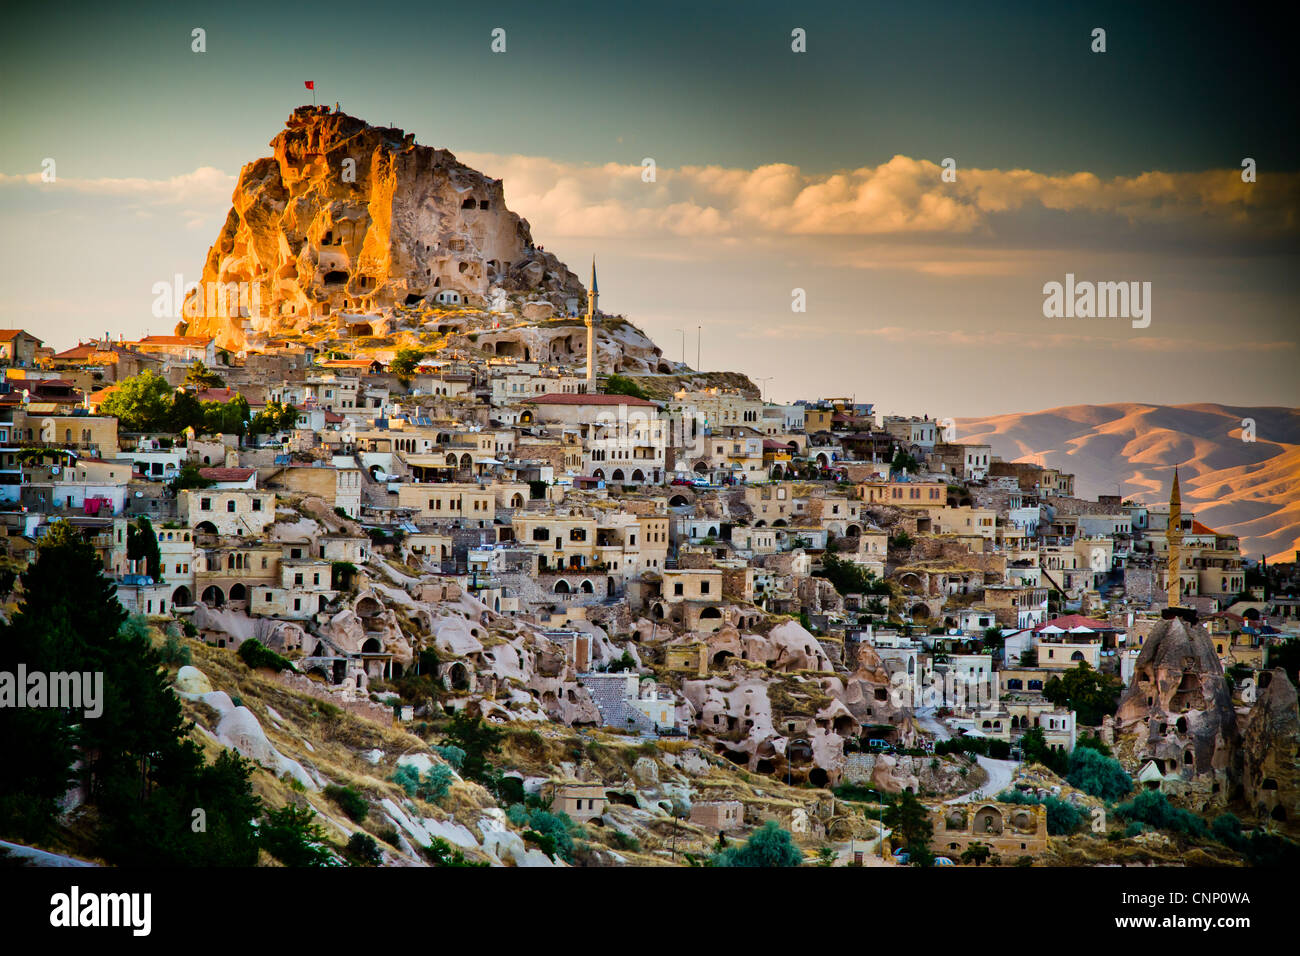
(189,477)
(404,363)
(200,376)
(226,418)
(909,819)
(1098,775)
(976,853)
(1036,750)
(1091,694)
(903,460)
(849,577)
(142,544)
(622,385)
(275,417)
(767,846)
(478,739)
(141,403)
(290,836)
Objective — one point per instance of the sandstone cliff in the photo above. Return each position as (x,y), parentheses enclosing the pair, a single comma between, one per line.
(345,216)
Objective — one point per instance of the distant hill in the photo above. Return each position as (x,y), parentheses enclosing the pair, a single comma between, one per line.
(1251,489)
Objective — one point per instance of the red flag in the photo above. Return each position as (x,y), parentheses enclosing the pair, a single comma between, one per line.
(310,84)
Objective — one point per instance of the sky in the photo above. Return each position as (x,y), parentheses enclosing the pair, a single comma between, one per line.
(775,171)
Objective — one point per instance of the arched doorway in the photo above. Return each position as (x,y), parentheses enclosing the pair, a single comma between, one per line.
(182,597)
(213,596)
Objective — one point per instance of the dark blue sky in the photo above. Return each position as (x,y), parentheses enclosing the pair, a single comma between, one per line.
(1181,87)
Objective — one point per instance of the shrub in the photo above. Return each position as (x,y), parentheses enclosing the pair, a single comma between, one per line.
(363,849)
(624,841)
(442,853)
(256,654)
(452,754)
(1098,775)
(768,846)
(289,835)
(174,652)
(433,786)
(350,801)
(1153,808)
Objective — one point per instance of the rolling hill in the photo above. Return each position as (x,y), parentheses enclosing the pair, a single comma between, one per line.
(1251,489)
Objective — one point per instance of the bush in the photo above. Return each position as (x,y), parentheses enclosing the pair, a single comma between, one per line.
(442,853)
(289,835)
(174,652)
(433,786)
(363,849)
(1154,809)
(256,654)
(768,846)
(1063,817)
(1098,775)
(452,754)
(624,841)
(350,801)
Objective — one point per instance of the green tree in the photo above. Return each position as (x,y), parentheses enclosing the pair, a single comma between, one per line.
(622,385)
(200,376)
(1098,775)
(849,577)
(226,418)
(186,412)
(405,362)
(767,846)
(1091,694)
(141,403)
(290,836)
(189,477)
(976,853)
(274,417)
(909,820)
(903,460)
(141,773)
(478,739)
(142,544)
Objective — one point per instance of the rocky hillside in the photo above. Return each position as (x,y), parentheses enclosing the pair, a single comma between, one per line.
(348,217)
(1250,489)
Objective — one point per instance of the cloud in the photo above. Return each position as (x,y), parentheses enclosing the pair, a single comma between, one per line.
(202,191)
(903,197)
(969,338)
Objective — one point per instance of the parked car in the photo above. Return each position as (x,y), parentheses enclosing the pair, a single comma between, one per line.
(681,481)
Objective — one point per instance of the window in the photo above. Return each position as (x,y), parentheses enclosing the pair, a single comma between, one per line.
(704,587)
(677,589)
(230,505)
(257,504)
(205,504)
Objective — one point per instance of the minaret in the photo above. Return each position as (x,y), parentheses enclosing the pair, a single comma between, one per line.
(593,293)
(1174,534)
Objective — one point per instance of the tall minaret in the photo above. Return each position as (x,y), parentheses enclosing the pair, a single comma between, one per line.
(593,293)
(1174,534)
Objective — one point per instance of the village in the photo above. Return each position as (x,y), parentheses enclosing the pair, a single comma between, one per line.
(472,492)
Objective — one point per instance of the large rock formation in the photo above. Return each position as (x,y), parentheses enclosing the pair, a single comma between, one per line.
(1178,712)
(350,217)
(1271,751)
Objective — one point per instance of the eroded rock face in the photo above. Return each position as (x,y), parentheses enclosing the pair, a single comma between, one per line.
(348,217)
(1271,751)
(1178,711)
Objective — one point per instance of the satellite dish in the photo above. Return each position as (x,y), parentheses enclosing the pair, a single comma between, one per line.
(139,494)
